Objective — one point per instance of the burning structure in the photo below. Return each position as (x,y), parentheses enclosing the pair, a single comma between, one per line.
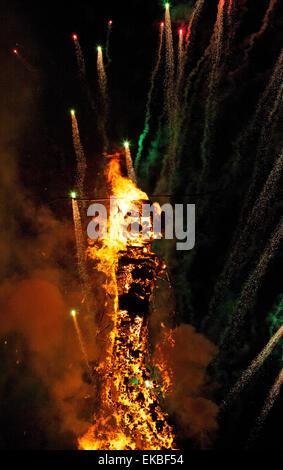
(130,416)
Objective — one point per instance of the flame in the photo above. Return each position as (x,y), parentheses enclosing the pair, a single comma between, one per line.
(160,360)
(122,187)
(130,416)
(126,195)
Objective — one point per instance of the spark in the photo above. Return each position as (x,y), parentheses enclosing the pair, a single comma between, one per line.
(272,396)
(253,220)
(190,34)
(109,30)
(73,194)
(79,57)
(218,44)
(254,281)
(149,97)
(24,61)
(80,251)
(169,80)
(129,161)
(167,5)
(72,112)
(253,368)
(102,82)
(82,70)
(81,341)
(180,73)
(171,97)
(80,156)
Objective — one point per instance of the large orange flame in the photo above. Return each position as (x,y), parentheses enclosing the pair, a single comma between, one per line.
(130,416)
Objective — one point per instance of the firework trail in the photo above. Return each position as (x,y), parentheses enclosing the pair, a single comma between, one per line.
(255,36)
(129,162)
(218,39)
(272,96)
(189,41)
(272,396)
(79,151)
(252,285)
(193,22)
(82,70)
(102,81)
(181,60)
(79,56)
(265,118)
(258,215)
(109,31)
(259,212)
(80,250)
(216,50)
(269,102)
(149,97)
(25,63)
(81,340)
(170,92)
(252,369)
(179,117)
(230,6)
(231,23)
(174,140)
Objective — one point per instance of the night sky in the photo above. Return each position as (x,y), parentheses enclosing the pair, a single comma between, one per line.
(37,411)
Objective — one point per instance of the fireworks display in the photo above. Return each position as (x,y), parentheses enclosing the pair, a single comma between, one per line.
(81,161)
(152,83)
(116,341)
(129,162)
(79,55)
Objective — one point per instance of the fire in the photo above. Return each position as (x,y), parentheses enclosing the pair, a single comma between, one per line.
(160,360)
(123,188)
(130,416)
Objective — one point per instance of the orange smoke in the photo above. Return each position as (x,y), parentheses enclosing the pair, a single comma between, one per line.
(184,356)
(36,308)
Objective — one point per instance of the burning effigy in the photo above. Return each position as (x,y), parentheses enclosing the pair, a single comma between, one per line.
(130,416)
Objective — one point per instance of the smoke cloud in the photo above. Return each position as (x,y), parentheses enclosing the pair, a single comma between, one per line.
(44,393)
(186,355)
